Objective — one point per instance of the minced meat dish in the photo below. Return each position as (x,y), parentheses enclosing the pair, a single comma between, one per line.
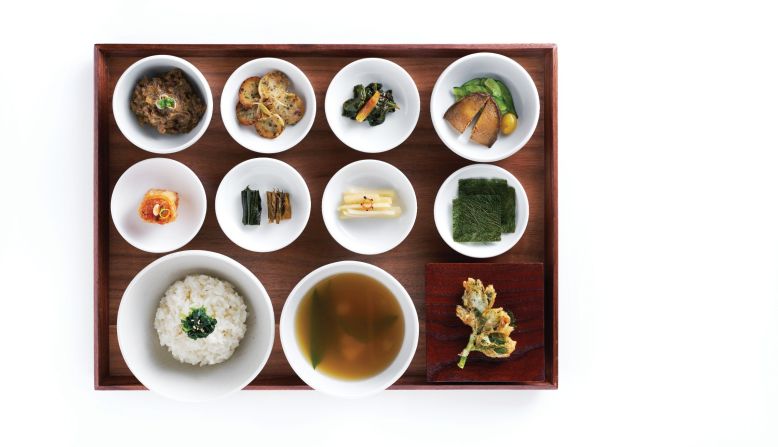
(167,103)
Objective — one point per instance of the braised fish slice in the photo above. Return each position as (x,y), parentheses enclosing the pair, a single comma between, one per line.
(462,112)
(487,127)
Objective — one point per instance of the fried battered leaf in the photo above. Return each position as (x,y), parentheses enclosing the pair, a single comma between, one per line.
(476,218)
(491,326)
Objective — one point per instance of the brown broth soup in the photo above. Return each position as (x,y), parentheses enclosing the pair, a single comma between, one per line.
(349,326)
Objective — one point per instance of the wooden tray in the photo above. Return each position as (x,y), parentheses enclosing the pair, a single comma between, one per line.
(423,158)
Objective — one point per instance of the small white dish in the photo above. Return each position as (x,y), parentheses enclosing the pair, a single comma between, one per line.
(154,365)
(146,137)
(331,385)
(444,203)
(158,173)
(398,125)
(523,91)
(247,136)
(369,236)
(262,174)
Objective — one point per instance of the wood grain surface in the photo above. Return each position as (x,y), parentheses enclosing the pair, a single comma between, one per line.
(519,289)
(424,159)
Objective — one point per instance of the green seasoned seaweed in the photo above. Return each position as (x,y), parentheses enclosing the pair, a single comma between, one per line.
(495,186)
(477,218)
(252,206)
(318,335)
(198,324)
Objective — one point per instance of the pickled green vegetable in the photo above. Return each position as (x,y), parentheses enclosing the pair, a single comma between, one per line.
(492,87)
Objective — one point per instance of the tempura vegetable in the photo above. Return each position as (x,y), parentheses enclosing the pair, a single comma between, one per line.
(492,326)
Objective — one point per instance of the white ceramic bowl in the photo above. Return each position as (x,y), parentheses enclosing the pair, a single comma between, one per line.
(398,125)
(262,174)
(146,137)
(369,236)
(340,387)
(158,173)
(246,136)
(444,203)
(153,364)
(523,91)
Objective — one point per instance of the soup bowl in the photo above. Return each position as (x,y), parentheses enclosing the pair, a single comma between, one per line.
(345,387)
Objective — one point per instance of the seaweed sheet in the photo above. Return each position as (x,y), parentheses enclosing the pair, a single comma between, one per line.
(494,186)
(477,218)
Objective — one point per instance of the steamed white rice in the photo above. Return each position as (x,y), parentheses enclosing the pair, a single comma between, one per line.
(220,300)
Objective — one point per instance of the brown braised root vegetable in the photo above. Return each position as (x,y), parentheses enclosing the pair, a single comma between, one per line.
(462,112)
(269,126)
(487,127)
(273,85)
(291,108)
(248,95)
(279,206)
(247,115)
(266,104)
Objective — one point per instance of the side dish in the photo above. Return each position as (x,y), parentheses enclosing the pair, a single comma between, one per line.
(483,210)
(370,104)
(252,206)
(279,207)
(168,103)
(267,104)
(350,326)
(359,203)
(491,326)
(491,102)
(159,206)
(201,320)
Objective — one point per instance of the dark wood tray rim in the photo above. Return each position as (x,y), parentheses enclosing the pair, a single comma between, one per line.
(103,381)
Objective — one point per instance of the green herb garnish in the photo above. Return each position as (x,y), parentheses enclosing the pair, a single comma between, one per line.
(165,102)
(198,324)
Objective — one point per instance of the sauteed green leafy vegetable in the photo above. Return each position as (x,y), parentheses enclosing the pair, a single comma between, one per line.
(370,104)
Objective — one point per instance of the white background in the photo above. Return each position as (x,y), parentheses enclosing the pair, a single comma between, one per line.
(668,169)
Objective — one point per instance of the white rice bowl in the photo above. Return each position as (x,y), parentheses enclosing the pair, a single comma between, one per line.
(221,302)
